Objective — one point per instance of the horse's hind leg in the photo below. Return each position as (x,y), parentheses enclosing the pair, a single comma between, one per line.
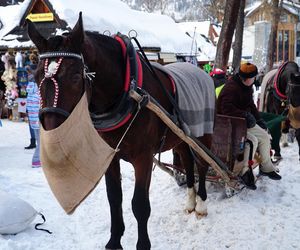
(140,201)
(187,162)
(201,208)
(114,194)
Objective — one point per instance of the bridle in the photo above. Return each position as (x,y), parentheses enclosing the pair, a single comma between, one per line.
(87,77)
(284,97)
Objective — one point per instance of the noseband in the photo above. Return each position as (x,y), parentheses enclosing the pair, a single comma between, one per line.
(50,74)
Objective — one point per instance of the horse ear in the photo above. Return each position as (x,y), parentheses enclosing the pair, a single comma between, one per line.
(77,34)
(39,41)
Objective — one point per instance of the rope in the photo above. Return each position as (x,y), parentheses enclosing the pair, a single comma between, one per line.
(138,110)
(39,224)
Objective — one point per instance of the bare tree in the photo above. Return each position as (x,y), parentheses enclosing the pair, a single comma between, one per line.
(225,39)
(150,5)
(215,9)
(238,42)
(153,5)
(275,11)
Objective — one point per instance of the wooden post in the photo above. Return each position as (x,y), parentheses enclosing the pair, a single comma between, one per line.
(150,105)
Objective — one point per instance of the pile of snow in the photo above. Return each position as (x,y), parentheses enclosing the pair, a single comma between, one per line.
(153,30)
(199,31)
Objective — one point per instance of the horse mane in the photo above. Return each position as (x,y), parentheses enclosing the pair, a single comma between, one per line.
(285,77)
(91,37)
(101,41)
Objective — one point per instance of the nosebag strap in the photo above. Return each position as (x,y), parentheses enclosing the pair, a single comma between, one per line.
(39,224)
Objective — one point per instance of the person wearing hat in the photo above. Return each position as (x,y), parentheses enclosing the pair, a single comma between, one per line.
(219,77)
(236,99)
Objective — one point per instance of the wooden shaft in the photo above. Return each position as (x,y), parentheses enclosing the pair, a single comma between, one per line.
(150,105)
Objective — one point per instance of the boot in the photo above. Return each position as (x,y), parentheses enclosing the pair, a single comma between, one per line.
(32,144)
(248,179)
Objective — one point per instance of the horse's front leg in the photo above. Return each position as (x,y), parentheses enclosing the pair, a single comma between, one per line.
(140,201)
(114,194)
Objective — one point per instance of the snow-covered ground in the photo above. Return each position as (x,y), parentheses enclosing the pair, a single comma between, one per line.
(267,218)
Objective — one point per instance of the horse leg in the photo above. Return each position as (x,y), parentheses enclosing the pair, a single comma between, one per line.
(114,194)
(187,162)
(140,201)
(201,207)
(297,134)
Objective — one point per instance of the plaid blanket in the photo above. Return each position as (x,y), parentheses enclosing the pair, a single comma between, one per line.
(195,95)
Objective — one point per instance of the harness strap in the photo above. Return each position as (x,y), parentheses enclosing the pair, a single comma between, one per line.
(169,96)
(88,77)
(53,110)
(276,81)
(51,76)
(124,109)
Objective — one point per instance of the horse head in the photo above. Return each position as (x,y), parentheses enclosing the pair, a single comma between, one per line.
(60,73)
(294,89)
(294,100)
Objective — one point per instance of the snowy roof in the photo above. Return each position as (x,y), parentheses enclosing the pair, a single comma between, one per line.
(10,17)
(293,8)
(199,31)
(249,10)
(154,30)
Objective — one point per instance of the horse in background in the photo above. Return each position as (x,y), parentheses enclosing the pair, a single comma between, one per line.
(280,94)
(148,135)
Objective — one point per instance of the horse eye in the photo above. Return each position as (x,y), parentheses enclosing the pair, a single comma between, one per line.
(77,77)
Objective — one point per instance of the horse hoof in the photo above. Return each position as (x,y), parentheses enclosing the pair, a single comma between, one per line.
(200,215)
(189,211)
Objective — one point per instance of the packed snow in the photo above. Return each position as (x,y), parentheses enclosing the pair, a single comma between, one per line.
(267,218)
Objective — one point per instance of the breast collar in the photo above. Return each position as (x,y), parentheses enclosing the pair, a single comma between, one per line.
(124,109)
(281,96)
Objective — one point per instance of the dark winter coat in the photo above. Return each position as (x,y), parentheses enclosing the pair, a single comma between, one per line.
(236,99)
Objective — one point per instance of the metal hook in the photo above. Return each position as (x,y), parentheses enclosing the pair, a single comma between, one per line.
(132,34)
(106,33)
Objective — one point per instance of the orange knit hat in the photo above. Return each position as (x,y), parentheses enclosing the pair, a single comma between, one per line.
(247,70)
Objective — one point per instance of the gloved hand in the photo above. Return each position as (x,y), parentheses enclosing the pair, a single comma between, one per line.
(250,119)
(262,124)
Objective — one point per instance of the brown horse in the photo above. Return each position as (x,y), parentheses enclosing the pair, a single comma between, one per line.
(281,91)
(103,55)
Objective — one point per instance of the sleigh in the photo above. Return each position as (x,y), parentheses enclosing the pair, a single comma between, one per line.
(225,157)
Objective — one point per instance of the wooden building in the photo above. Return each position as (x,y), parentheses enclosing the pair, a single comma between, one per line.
(43,15)
(288,35)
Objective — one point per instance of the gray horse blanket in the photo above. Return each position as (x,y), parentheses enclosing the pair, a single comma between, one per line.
(195,94)
(263,96)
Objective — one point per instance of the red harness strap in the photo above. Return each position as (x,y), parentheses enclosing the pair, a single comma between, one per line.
(281,68)
(127,82)
(127,73)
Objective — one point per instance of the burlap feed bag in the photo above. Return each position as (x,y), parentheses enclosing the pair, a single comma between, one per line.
(74,157)
(294,116)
